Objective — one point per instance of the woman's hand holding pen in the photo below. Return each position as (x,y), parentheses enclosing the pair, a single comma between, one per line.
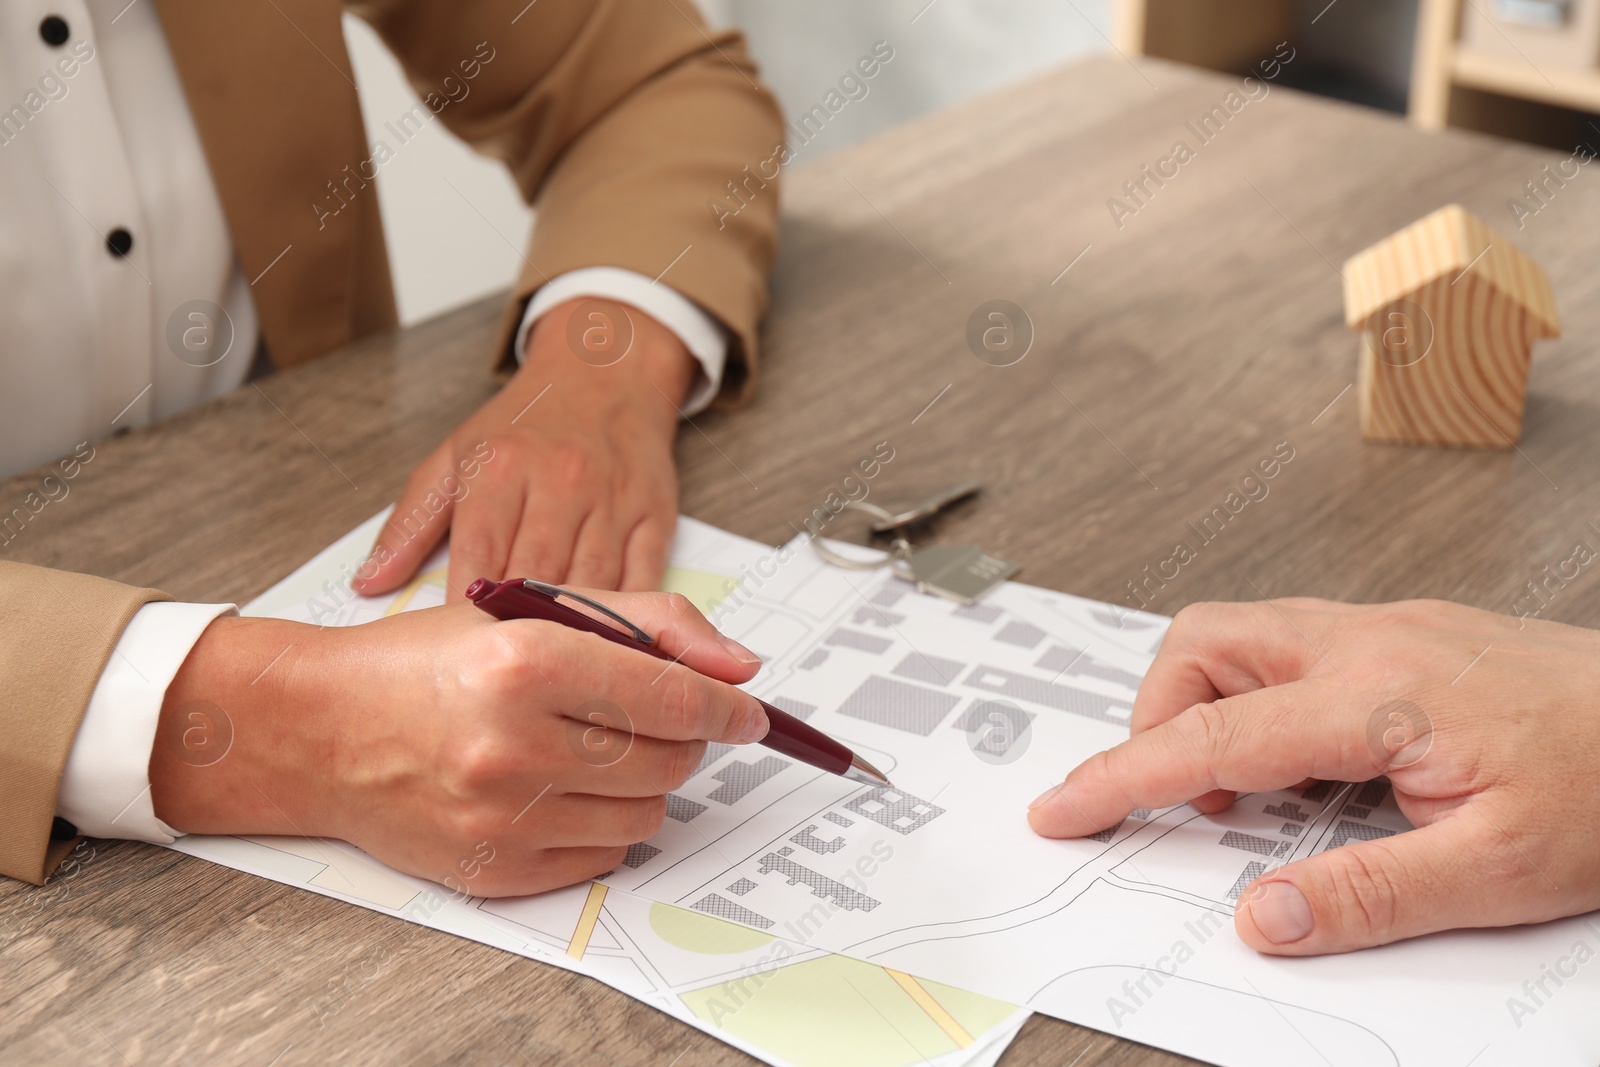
(497,757)
(1488,728)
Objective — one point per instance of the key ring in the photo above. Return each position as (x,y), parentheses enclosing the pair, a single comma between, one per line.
(900,548)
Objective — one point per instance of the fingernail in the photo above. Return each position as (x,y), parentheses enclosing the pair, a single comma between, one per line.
(1281,912)
(738,651)
(756,727)
(1048,794)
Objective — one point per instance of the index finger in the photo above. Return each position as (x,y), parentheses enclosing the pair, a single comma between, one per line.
(410,533)
(683,632)
(1267,739)
(1216,650)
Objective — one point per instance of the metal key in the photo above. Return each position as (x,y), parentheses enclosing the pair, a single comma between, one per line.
(927,509)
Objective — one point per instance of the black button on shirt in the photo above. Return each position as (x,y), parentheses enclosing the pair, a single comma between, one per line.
(54,30)
(119,242)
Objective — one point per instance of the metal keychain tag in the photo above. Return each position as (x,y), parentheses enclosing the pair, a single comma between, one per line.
(962,573)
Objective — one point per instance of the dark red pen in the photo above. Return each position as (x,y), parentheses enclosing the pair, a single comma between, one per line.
(524,598)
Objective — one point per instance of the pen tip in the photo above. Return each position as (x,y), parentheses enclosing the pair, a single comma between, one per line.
(862,771)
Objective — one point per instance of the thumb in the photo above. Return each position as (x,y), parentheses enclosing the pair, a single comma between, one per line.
(1375,892)
(410,533)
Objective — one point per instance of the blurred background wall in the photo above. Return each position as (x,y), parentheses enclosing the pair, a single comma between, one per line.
(456,226)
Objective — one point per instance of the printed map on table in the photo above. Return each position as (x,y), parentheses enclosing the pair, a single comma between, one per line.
(973,711)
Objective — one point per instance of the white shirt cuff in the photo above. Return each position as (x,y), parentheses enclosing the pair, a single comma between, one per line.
(704,337)
(105,790)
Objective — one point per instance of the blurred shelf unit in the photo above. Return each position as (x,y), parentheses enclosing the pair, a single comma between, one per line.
(1528,69)
(1544,51)
(1356,50)
(1225,35)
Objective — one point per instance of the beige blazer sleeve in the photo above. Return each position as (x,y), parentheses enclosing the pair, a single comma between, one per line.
(57,630)
(623,122)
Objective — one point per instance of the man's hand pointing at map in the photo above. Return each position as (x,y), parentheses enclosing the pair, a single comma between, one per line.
(1479,720)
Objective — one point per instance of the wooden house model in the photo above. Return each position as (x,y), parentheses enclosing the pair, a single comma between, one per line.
(1448,311)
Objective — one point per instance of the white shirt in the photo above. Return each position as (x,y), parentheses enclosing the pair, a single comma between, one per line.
(97,148)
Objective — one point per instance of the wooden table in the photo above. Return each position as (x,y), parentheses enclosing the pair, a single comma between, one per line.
(1169,356)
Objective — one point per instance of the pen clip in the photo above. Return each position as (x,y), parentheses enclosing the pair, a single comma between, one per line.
(555,592)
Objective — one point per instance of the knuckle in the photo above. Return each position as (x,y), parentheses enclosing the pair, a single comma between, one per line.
(645,818)
(1294,616)
(476,543)
(679,704)
(541,870)
(471,764)
(580,864)
(540,561)
(569,465)
(1300,603)
(1417,614)
(1400,613)
(1190,619)
(497,443)
(593,560)
(1107,765)
(511,661)
(682,608)
(1210,733)
(682,762)
(1364,889)
(470,822)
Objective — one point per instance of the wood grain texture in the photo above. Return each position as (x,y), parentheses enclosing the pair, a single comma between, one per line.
(1448,310)
(1175,353)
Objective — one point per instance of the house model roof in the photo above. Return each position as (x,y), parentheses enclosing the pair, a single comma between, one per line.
(1446,244)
